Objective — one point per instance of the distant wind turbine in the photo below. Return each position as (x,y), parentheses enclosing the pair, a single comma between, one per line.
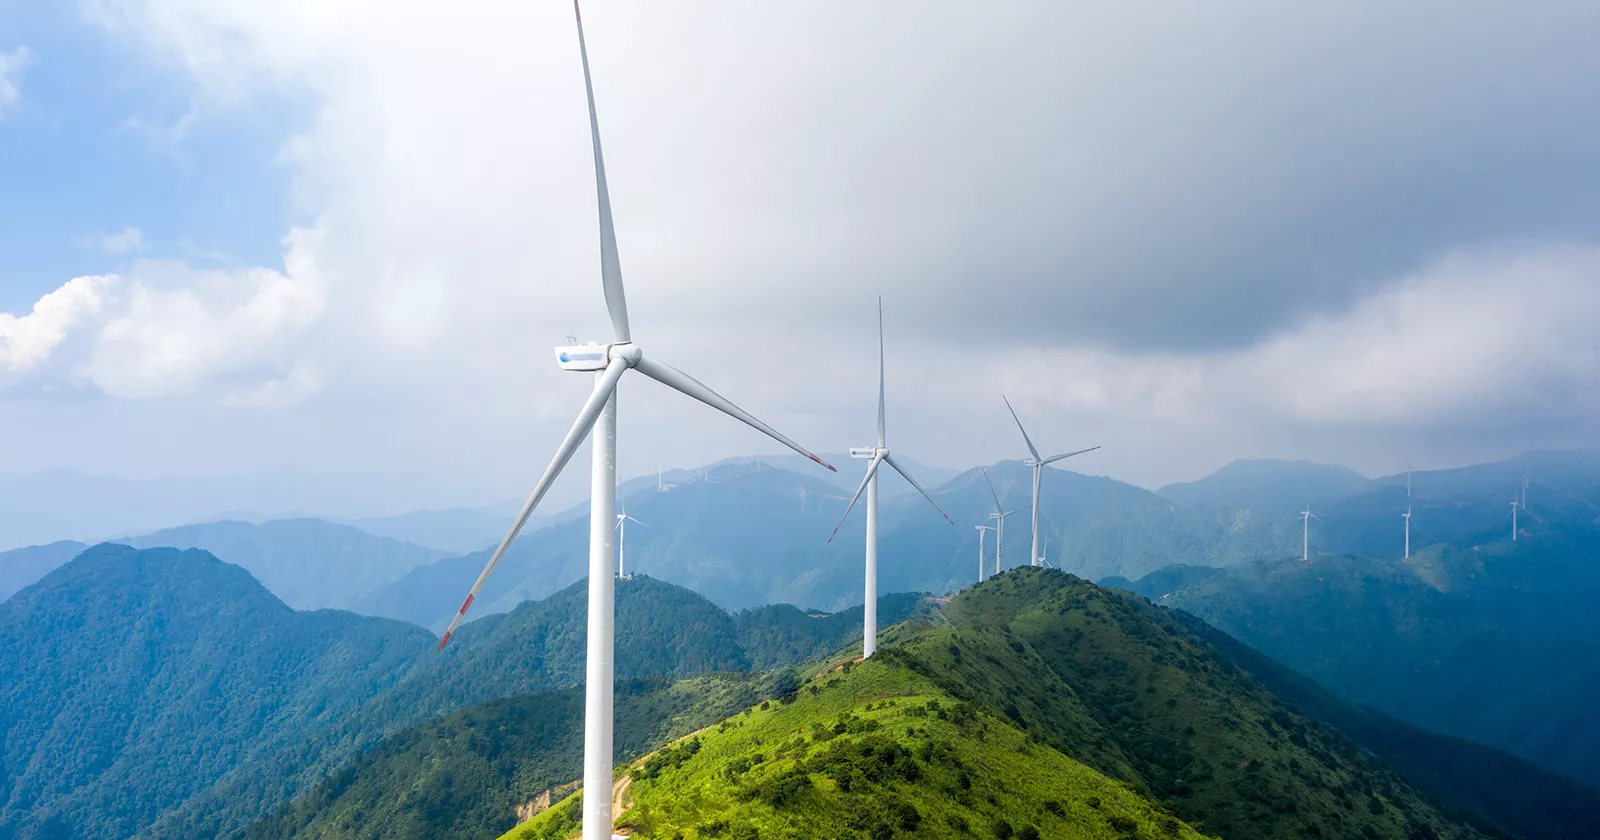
(1407,514)
(1513,520)
(608,362)
(1038,463)
(981,529)
(878,454)
(999,516)
(1305,537)
(622,539)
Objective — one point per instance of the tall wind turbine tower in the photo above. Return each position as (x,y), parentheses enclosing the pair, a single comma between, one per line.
(1037,463)
(622,539)
(999,516)
(1513,520)
(608,363)
(878,455)
(1305,536)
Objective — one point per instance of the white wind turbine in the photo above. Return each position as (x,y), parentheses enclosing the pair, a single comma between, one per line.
(1305,536)
(599,414)
(1038,464)
(981,529)
(878,454)
(999,517)
(1514,520)
(1407,514)
(622,539)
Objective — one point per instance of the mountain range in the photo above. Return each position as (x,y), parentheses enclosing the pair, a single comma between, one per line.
(1497,643)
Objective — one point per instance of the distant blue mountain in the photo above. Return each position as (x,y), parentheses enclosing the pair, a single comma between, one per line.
(308,563)
(20,567)
(1269,486)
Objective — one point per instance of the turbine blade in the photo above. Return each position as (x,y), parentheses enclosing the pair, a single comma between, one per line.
(610,263)
(1054,458)
(997,507)
(907,476)
(637,522)
(1031,448)
(871,468)
(684,383)
(580,429)
(882,438)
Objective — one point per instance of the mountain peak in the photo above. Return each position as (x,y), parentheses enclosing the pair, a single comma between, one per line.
(1269,486)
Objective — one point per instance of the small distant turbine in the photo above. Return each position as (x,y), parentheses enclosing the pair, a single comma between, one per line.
(622,539)
(1407,514)
(1037,462)
(1514,506)
(981,529)
(999,516)
(1305,536)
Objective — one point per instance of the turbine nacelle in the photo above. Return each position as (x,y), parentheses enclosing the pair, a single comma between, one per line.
(867,453)
(594,357)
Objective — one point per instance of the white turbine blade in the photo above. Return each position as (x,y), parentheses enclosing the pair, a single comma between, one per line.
(580,429)
(1054,458)
(1015,512)
(610,263)
(871,468)
(678,380)
(882,438)
(635,521)
(907,476)
(997,507)
(1031,448)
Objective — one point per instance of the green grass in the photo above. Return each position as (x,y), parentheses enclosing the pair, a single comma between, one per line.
(869,751)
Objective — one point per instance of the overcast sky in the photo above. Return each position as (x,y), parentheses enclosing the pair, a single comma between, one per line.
(343,236)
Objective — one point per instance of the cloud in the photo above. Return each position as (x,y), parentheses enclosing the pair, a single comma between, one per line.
(127,240)
(1168,227)
(11,66)
(27,341)
(165,329)
(1470,337)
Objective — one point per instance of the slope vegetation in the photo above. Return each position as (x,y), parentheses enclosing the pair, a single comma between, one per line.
(876,751)
(1498,644)
(135,679)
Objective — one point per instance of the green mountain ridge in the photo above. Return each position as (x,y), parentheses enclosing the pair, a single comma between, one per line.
(134,679)
(1102,687)
(1497,644)
(162,693)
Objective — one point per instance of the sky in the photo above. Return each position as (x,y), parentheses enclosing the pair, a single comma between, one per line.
(341,237)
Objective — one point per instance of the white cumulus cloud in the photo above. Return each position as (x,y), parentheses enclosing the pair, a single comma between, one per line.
(11,65)
(167,329)
(28,340)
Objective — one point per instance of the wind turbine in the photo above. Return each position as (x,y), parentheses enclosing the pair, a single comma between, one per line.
(660,485)
(1046,547)
(1513,520)
(999,517)
(1037,463)
(608,363)
(981,529)
(1305,549)
(1407,514)
(622,539)
(878,454)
